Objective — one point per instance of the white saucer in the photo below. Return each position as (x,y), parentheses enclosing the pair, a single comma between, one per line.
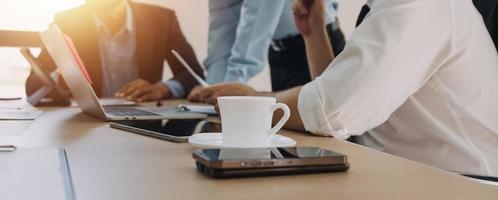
(214,140)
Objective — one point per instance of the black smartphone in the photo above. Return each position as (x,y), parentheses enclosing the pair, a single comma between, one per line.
(175,130)
(247,162)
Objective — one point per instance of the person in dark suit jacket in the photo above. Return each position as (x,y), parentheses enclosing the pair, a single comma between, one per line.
(123,46)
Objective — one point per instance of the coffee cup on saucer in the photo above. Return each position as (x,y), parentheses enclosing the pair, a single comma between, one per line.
(246,122)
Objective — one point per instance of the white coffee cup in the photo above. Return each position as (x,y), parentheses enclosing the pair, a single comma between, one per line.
(246,120)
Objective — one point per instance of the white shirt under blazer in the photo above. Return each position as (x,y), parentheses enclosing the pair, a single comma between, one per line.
(422,77)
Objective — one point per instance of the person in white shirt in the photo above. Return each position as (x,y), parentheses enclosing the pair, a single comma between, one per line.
(420,76)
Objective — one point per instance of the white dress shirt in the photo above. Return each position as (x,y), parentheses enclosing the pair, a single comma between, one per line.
(422,77)
(117,54)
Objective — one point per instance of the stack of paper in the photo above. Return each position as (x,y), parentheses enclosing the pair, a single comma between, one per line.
(19,113)
(206,109)
(35,173)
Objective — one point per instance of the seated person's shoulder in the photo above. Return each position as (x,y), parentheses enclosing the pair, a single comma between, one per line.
(72,15)
(158,11)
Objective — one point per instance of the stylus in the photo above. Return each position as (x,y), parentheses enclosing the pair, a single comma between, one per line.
(481,177)
(7,148)
(10,98)
(189,69)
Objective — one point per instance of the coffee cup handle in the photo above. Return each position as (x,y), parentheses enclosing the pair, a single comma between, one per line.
(283,120)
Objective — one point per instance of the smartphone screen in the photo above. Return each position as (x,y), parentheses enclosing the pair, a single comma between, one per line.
(268,153)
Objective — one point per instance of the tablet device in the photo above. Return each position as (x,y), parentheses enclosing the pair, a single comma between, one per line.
(175,130)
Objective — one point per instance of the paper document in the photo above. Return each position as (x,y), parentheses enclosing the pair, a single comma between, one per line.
(13,128)
(35,173)
(206,109)
(19,113)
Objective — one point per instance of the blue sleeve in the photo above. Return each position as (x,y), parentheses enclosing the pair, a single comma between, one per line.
(223,21)
(240,34)
(176,89)
(258,22)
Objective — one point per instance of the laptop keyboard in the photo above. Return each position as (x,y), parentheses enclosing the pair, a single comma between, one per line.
(127,111)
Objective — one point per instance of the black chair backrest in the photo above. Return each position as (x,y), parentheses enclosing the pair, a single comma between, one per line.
(489,12)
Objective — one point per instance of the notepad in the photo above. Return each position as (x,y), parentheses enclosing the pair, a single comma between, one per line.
(206,109)
(19,113)
(16,128)
(35,173)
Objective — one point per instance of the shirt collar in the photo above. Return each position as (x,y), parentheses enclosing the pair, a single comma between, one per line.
(128,23)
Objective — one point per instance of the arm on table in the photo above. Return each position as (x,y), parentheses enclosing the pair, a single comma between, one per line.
(309,16)
(290,98)
(257,24)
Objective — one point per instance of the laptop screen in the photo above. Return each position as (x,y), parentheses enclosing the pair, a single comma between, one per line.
(75,54)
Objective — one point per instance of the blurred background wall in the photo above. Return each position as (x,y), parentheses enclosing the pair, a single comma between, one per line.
(35,15)
(193,15)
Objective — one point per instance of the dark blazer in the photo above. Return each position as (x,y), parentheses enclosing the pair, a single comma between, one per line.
(157,33)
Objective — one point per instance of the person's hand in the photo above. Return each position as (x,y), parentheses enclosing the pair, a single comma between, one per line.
(309,16)
(210,94)
(196,95)
(141,90)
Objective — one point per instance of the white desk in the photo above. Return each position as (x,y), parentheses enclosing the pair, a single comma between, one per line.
(112,164)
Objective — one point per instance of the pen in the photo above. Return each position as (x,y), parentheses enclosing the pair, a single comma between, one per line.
(201,81)
(183,108)
(7,148)
(10,98)
(481,177)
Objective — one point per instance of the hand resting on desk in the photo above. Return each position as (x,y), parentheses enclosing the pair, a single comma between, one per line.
(141,90)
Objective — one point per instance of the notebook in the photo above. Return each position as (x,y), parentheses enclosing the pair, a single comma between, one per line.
(35,173)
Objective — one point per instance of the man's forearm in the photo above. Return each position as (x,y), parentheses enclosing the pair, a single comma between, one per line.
(319,52)
(290,98)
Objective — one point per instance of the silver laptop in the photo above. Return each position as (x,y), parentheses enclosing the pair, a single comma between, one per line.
(67,60)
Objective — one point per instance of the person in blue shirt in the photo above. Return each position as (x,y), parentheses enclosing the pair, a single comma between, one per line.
(243,34)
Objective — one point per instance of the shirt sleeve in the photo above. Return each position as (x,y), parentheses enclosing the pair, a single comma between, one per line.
(223,20)
(392,54)
(258,22)
(176,88)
